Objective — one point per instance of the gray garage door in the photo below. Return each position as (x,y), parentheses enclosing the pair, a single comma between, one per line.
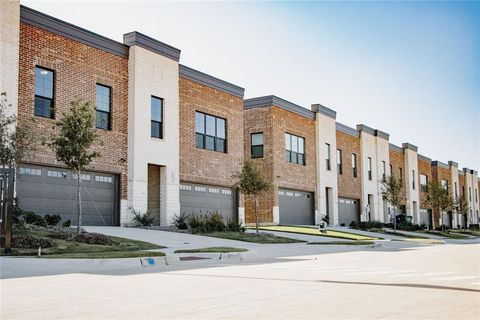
(348,211)
(48,190)
(203,199)
(296,207)
(425,217)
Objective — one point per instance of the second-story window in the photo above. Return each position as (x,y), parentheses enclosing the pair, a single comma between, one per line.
(256,140)
(102,106)
(156,105)
(413,179)
(294,149)
(400,172)
(444,184)
(369,168)
(327,157)
(456,190)
(469,194)
(476,195)
(354,165)
(210,132)
(423,183)
(44,92)
(339,162)
(384,171)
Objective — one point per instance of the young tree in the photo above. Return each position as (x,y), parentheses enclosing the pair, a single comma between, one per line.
(73,142)
(439,199)
(394,193)
(250,182)
(17,141)
(461,206)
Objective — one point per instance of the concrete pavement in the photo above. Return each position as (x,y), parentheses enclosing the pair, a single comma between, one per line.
(424,282)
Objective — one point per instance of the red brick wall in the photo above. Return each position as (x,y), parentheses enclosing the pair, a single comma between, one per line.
(201,165)
(78,68)
(349,186)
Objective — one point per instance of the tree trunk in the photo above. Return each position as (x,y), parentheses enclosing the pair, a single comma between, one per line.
(394,219)
(433,220)
(256,213)
(79,203)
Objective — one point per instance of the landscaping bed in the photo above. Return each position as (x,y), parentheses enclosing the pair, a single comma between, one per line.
(447,234)
(64,243)
(261,237)
(343,243)
(315,232)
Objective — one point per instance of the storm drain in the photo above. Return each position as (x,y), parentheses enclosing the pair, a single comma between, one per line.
(190,258)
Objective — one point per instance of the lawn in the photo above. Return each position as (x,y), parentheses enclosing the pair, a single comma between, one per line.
(315,232)
(466,232)
(264,238)
(121,248)
(447,234)
(400,234)
(211,250)
(343,243)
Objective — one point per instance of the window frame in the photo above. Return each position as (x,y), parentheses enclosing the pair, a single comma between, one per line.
(339,161)
(369,168)
(109,119)
(413,179)
(252,146)
(384,171)
(424,187)
(216,138)
(354,165)
(290,152)
(52,112)
(328,157)
(162,104)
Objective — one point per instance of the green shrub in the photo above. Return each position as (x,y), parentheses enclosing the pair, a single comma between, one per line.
(196,222)
(365,225)
(67,223)
(405,226)
(52,220)
(93,238)
(214,222)
(474,226)
(180,221)
(234,226)
(30,242)
(143,219)
(33,218)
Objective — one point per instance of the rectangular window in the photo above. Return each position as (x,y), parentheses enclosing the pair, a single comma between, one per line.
(156,111)
(327,156)
(102,106)
(444,184)
(413,179)
(391,169)
(456,190)
(401,173)
(210,132)
(423,183)
(476,195)
(339,162)
(354,165)
(294,149)
(369,168)
(256,141)
(469,193)
(384,171)
(44,84)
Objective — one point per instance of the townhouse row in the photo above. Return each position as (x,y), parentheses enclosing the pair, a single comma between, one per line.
(171,138)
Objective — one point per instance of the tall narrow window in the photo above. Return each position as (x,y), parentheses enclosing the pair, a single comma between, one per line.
(401,173)
(339,162)
(444,184)
(423,183)
(469,193)
(413,179)
(256,140)
(210,132)
(369,168)
(44,84)
(354,165)
(294,149)
(102,106)
(327,156)
(476,195)
(156,106)
(391,169)
(456,190)
(384,171)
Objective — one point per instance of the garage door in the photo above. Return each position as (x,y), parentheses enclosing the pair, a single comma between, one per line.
(49,190)
(203,199)
(296,207)
(348,211)
(425,217)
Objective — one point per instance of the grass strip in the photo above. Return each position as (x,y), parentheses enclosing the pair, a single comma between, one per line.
(211,250)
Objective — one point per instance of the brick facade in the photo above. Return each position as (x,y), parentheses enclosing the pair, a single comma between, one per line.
(201,165)
(274,122)
(348,185)
(77,69)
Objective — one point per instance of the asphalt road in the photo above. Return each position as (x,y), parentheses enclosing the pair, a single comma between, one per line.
(392,281)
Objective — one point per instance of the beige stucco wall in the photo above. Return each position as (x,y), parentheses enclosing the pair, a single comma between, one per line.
(412,196)
(153,74)
(9,51)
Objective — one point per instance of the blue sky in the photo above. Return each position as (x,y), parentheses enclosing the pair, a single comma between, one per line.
(411,69)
